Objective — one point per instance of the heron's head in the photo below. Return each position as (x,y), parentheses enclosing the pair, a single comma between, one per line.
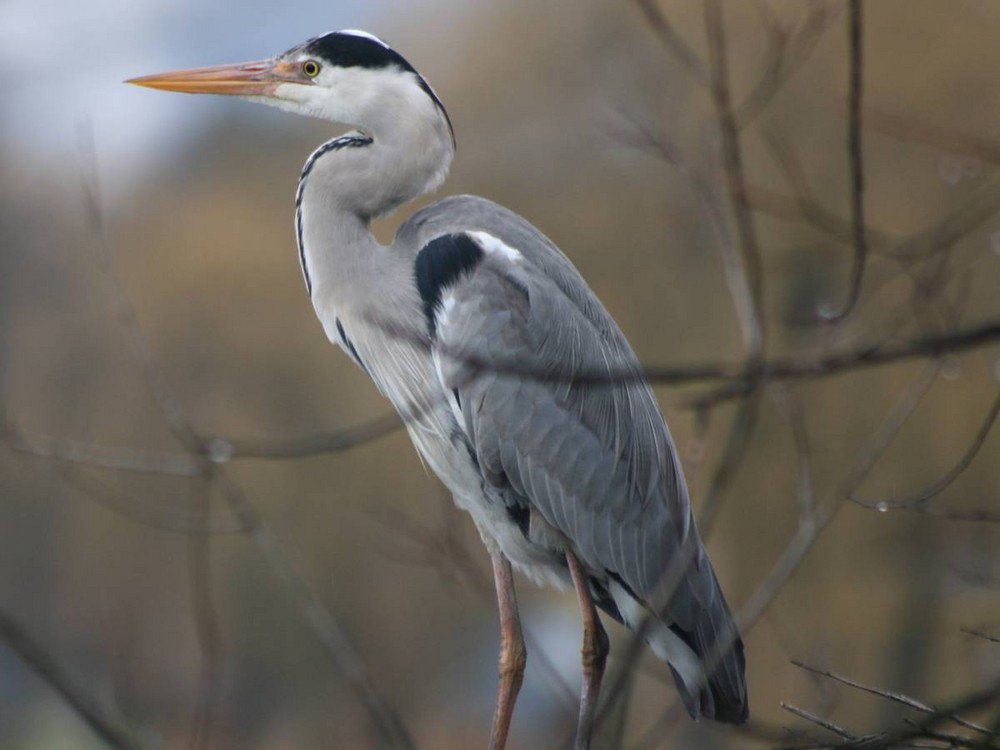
(344,76)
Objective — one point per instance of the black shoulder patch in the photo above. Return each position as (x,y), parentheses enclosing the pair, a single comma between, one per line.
(441,263)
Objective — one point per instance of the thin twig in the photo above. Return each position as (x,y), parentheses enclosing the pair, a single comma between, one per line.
(672,40)
(219,448)
(314,612)
(855,158)
(810,528)
(826,724)
(741,377)
(448,554)
(944,482)
(732,160)
(917,248)
(737,443)
(110,728)
(893,696)
(969,516)
(786,56)
(925,347)
(98,456)
(981,634)
(791,409)
(712,202)
(909,731)
(303,446)
(206,620)
(384,718)
(971,214)
(910,129)
(133,508)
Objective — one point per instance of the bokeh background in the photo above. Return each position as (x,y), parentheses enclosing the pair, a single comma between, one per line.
(136,583)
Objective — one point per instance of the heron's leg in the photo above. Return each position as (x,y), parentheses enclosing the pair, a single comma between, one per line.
(513,655)
(594,653)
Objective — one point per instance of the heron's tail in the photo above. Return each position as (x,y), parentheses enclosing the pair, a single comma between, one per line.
(710,645)
(718,653)
(723,697)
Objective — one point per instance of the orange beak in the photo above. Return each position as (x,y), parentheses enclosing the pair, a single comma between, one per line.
(259,78)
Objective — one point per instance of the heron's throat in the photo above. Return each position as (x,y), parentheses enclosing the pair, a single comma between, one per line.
(394,157)
(359,176)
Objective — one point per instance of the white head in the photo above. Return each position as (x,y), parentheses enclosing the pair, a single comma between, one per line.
(349,77)
(338,76)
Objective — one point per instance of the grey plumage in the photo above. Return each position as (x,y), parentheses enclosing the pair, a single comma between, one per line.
(559,473)
(594,461)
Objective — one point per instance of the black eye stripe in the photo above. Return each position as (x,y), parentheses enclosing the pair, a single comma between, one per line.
(343,49)
(351,51)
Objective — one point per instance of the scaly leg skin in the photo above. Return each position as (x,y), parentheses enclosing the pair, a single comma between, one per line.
(513,654)
(594,654)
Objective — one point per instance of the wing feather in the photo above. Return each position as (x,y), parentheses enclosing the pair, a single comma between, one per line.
(594,459)
(584,454)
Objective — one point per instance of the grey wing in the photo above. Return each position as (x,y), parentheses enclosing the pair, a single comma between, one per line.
(594,458)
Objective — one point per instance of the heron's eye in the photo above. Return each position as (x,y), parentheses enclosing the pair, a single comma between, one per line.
(310,68)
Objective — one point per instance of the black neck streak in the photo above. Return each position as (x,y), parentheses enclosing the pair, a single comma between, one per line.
(351,140)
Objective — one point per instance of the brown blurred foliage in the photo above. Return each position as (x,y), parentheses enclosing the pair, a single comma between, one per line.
(564,112)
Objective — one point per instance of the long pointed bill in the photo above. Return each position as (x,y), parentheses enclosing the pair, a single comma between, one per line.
(259,78)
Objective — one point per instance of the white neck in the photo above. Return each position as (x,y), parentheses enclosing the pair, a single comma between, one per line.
(411,149)
(403,149)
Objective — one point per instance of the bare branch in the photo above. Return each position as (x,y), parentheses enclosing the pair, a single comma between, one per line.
(909,734)
(743,378)
(801,542)
(206,620)
(906,128)
(384,718)
(810,527)
(970,516)
(712,202)
(133,508)
(447,553)
(918,248)
(672,40)
(791,409)
(124,310)
(737,444)
(332,636)
(926,347)
(970,215)
(732,161)
(216,448)
(856,158)
(786,56)
(117,458)
(303,446)
(893,696)
(828,725)
(110,728)
(980,634)
(944,482)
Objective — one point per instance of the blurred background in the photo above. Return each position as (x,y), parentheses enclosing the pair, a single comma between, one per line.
(269,602)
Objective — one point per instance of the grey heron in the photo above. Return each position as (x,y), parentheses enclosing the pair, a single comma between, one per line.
(486,339)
